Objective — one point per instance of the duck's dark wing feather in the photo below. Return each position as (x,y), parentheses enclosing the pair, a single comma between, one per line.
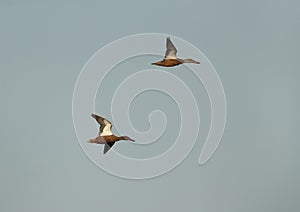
(107,147)
(171,50)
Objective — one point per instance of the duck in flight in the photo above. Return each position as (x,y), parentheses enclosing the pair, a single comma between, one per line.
(105,135)
(171,58)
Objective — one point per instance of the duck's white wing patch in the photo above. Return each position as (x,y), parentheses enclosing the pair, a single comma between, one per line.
(171,50)
(170,55)
(106,130)
(105,125)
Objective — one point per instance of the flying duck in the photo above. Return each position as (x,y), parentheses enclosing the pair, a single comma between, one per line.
(171,58)
(105,135)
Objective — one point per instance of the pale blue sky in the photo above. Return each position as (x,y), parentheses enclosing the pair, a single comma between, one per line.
(254,46)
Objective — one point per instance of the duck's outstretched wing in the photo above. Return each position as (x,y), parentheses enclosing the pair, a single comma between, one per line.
(171,50)
(105,125)
(107,147)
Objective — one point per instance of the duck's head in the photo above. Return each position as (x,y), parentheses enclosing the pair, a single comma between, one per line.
(127,138)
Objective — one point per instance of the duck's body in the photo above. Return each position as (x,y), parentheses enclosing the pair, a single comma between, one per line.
(170,58)
(105,135)
(105,139)
(168,62)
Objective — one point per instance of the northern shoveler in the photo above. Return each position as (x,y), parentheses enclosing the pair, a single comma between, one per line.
(171,58)
(105,135)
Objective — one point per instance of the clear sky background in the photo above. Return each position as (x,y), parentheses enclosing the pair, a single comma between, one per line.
(254,46)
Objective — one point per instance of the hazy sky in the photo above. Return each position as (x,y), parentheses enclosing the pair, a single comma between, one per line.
(254,46)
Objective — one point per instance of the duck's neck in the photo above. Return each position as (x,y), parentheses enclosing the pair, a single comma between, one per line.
(188,61)
(121,138)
